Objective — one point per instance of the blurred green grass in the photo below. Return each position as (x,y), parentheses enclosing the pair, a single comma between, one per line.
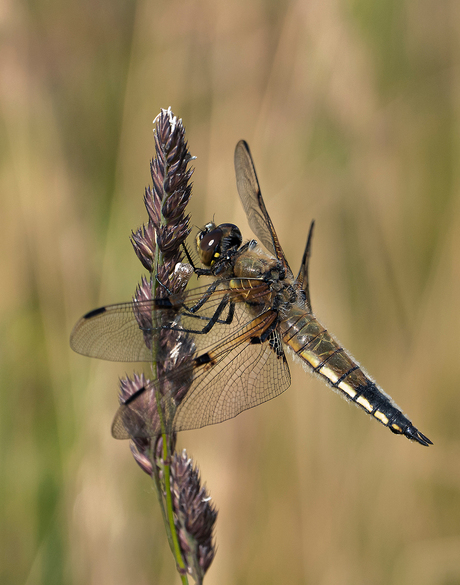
(351,110)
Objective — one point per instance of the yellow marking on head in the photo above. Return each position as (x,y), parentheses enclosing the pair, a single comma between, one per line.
(214,258)
(364,402)
(311,358)
(381,417)
(347,389)
(330,374)
(396,427)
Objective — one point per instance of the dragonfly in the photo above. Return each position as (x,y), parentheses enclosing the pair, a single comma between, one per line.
(242,325)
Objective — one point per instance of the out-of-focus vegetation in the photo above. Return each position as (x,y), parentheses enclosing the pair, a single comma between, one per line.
(352,113)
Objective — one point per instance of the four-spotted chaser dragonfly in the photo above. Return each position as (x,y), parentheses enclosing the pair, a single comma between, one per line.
(241,325)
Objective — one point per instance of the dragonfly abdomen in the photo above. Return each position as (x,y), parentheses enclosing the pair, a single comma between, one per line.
(314,345)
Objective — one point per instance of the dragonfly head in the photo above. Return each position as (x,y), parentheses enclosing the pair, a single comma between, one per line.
(214,241)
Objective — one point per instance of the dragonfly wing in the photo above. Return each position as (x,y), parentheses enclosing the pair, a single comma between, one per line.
(124,332)
(138,417)
(111,333)
(237,373)
(253,203)
(242,377)
(302,278)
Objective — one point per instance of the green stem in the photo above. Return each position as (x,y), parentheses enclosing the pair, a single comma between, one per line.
(159,492)
(169,516)
(169,507)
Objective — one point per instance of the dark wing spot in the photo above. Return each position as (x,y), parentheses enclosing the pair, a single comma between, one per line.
(94,313)
(136,394)
(277,345)
(166,302)
(203,359)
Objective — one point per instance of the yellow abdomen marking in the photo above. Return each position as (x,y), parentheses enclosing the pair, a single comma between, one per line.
(347,389)
(381,417)
(311,358)
(364,403)
(331,375)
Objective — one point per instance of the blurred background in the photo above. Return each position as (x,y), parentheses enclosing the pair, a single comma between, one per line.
(352,112)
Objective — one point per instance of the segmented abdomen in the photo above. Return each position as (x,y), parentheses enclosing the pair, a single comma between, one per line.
(313,344)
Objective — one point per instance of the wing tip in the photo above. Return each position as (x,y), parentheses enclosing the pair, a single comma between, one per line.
(242,143)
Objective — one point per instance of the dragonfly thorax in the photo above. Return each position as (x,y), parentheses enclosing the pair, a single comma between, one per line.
(255,263)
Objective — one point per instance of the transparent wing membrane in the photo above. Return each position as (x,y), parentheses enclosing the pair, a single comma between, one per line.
(234,376)
(113,332)
(253,203)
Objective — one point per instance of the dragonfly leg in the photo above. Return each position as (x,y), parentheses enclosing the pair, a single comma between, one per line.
(215,318)
(163,285)
(189,257)
(211,321)
(204,298)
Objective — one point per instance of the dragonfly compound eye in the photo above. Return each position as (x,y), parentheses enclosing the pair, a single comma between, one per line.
(208,244)
(231,237)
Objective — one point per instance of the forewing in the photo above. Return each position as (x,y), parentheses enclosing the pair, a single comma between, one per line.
(111,333)
(253,203)
(120,332)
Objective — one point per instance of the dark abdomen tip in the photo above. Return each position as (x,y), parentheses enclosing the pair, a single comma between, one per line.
(415,435)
